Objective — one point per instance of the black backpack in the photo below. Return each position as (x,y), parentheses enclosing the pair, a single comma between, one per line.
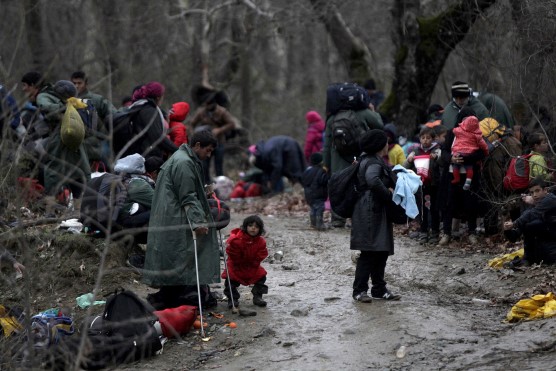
(346,132)
(124,333)
(124,129)
(102,201)
(344,190)
(346,96)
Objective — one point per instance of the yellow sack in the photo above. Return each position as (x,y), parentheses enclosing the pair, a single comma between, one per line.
(491,129)
(9,324)
(498,262)
(72,131)
(539,306)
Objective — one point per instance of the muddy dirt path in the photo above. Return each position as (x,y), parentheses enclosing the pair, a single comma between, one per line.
(312,323)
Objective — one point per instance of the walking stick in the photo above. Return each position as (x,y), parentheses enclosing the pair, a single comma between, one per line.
(234,309)
(197,275)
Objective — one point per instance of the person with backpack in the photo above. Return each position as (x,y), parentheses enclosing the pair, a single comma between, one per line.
(462,97)
(67,165)
(372,231)
(315,184)
(139,128)
(341,145)
(277,157)
(537,225)
(246,249)
(315,132)
(179,208)
(97,143)
(537,162)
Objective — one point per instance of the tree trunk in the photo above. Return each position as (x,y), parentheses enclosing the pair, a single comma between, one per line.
(34,28)
(423,45)
(352,51)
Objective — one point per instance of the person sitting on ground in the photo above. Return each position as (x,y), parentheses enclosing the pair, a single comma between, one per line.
(177,130)
(136,210)
(537,162)
(315,184)
(537,225)
(246,249)
(468,139)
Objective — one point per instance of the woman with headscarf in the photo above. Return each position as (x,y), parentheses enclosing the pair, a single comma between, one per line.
(372,231)
(149,135)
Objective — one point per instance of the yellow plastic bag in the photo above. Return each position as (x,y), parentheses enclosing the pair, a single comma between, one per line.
(9,324)
(539,306)
(498,262)
(72,131)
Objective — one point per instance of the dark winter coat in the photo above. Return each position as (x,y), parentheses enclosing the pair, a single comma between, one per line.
(540,222)
(370,229)
(497,109)
(451,110)
(315,184)
(280,156)
(154,141)
(62,165)
(170,258)
(245,254)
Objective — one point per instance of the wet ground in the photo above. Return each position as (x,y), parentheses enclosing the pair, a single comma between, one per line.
(451,315)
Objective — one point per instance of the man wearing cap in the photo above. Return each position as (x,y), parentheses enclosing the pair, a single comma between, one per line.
(462,96)
(63,166)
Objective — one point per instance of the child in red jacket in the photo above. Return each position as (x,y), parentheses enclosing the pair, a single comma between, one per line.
(176,128)
(246,249)
(468,139)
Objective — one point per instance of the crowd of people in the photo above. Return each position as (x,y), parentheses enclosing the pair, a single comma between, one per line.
(460,154)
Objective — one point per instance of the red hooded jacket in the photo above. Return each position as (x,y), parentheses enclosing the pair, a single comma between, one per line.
(245,254)
(469,137)
(314,137)
(177,132)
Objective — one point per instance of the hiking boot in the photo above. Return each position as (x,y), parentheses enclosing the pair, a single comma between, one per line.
(445,240)
(433,239)
(136,261)
(313,221)
(363,298)
(348,223)
(319,224)
(338,224)
(387,295)
(423,237)
(414,235)
(258,301)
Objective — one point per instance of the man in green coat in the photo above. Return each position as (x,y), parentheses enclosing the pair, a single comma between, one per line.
(461,96)
(179,202)
(333,161)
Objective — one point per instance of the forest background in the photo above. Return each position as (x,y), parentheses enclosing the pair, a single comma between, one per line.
(275,58)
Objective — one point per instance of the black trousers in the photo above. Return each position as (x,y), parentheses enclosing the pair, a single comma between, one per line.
(370,264)
(259,288)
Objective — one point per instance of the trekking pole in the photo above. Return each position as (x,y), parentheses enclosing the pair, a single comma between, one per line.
(197,275)
(234,309)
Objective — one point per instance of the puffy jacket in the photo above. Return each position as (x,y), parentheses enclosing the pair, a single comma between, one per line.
(245,254)
(178,132)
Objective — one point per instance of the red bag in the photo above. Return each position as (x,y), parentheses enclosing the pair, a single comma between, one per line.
(517,174)
(176,321)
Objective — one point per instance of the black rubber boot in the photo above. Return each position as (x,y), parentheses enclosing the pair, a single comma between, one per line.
(313,221)
(320,223)
(258,291)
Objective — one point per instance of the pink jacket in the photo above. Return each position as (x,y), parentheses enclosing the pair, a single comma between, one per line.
(468,137)
(314,137)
